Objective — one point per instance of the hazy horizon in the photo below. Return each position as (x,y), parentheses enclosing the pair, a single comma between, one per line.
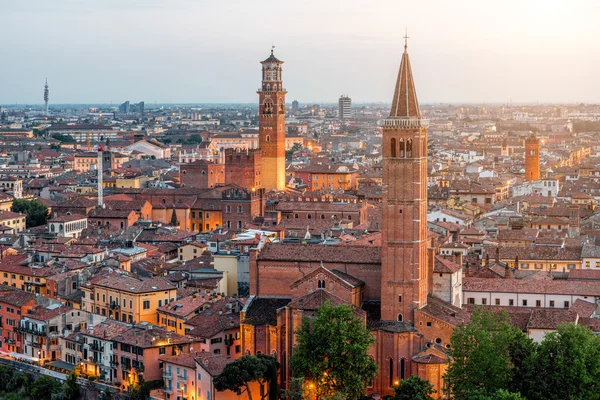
(191,52)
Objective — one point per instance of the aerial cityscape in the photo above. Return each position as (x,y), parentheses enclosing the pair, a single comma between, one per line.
(368,245)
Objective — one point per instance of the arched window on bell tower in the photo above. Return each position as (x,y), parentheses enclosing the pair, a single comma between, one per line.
(409,148)
(401,147)
(393,147)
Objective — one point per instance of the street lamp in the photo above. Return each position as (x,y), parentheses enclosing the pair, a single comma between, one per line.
(40,357)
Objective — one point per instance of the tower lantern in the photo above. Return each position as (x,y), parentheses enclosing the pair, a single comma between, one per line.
(271,124)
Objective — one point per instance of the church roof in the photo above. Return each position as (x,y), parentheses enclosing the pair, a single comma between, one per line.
(404,103)
(272,59)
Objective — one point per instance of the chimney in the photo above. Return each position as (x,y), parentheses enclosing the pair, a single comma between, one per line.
(498,254)
(458,258)
(487,260)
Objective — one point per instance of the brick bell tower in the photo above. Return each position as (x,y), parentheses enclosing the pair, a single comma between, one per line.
(404,275)
(532,158)
(271,124)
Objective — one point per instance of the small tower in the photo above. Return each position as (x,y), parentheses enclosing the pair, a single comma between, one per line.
(532,158)
(100,185)
(504,150)
(46,97)
(271,124)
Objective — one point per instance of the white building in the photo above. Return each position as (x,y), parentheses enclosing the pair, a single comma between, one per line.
(542,187)
(67,225)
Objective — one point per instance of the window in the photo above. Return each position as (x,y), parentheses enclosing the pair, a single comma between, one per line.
(428,324)
(484,301)
(551,303)
(146,304)
(497,301)
(399,317)
(399,299)
(524,266)
(524,302)
(566,304)
(161,350)
(511,302)
(438,340)
(538,303)
(393,147)
(228,209)
(471,300)
(391,371)
(321,284)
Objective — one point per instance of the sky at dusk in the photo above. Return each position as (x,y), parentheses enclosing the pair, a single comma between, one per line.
(199,51)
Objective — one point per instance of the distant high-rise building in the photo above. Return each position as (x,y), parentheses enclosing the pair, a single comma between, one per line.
(271,124)
(127,107)
(294,107)
(345,107)
(124,108)
(532,158)
(46,97)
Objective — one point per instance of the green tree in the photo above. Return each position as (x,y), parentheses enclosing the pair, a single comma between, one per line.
(414,388)
(331,354)
(6,375)
(238,375)
(71,389)
(42,388)
(64,138)
(37,213)
(19,384)
(566,366)
(487,354)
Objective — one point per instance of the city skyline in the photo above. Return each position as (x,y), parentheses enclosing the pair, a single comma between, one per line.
(110,52)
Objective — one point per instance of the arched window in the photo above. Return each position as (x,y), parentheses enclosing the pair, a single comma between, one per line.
(228,209)
(309,216)
(393,147)
(322,216)
(402,368)
(203,172)
(400,318)
(409,148)
(268,139)
(391,371)
(321,284)
(240,209)
(401,147)
(295,216)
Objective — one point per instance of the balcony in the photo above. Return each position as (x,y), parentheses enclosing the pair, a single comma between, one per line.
(182,376)
(168,390)
(114,306)
(35,344)
(114,364)
(167,374)
(96,347)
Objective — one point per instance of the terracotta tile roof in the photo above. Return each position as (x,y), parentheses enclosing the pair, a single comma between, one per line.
(546,253)
(583,308)
(262,311)
(185,360)
(216,319)
(184,307)
(105,330)
(212,363)
(445,266)
(550,318)
(429,359)
(16,297)
(42,313)
(556,286)
(315,299)
(318,252)
(446,312)
(584,274)
(129,284)
(149,335)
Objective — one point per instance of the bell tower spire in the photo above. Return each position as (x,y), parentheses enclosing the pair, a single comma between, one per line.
(404,274)
(271,123)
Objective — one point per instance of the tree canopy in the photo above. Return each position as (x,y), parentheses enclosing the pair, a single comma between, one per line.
(37,213)
(414,388)
(331,353)
(491,360)
(238,375)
